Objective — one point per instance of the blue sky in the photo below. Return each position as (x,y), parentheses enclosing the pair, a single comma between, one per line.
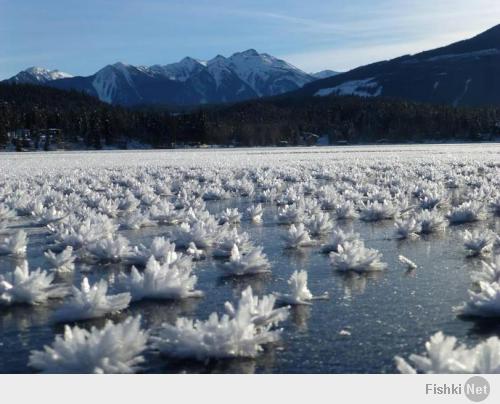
(82,36)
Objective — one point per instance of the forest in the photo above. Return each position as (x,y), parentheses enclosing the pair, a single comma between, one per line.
(85,120)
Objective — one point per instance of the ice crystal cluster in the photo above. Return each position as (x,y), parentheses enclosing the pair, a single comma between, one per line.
(241,332)
(29,287)
(116,348)
(169,225)
(444,355)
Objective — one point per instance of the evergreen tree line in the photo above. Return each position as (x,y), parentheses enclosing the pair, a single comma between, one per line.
(253,123)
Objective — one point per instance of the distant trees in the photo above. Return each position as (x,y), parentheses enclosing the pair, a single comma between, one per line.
(259,122)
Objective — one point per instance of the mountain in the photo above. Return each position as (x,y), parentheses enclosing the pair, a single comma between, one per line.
(464,73)
(38,75)
(323,74)
(242,76)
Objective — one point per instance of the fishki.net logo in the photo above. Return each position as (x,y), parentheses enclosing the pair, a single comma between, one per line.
(476,389)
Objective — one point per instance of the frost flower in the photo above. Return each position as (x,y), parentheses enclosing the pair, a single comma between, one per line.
(116,348)
(467,212)
(430,221)
(375,211)
(23,286)
(261,309)
(299,292)
(443,355)
(354,256)
(167,281)
(161,249)
(408,228)
(194,252)
(485,303)
(254,262)
(241,333)
(297,237)
(14,244)
(319,224)
(338,237)
(62,262)
(254,213)
(479,242)
(231,216)
(91,302)
(490,272)
(110,249)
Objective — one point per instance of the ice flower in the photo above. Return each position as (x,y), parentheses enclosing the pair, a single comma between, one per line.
(297,237)
(338,237)
(253,262)
(494,204)
(479,242)
(354,256)
(290,214)
(241,333)
(110,249)
(319,224)
(23,286)
(108,207)
(231,216)
(407,228)
(79,233)
(48,215)
(219,338)
(482,303)
(225,242)
(136,220)
(345,210)
(6,213)
(116,348)
(444,355)
(431,199)
(467,212)
(194,252)
(202,233)
(299,292)
(157,281)
(14,244)
(254,213)
(261,309)
(90,302)
(430,221)
(62,262)
(164,212)
(129,203)
(490,272)
(268,195)
(375,211)
(160,248)
(215,194)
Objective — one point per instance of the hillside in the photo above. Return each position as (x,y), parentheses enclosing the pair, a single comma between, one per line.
(465,73)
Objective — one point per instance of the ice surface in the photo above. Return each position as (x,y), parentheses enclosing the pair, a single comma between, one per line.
(96,215)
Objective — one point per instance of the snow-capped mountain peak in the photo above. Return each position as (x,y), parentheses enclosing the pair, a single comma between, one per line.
(266,74)
(179,71)
(190,81)
(39,75)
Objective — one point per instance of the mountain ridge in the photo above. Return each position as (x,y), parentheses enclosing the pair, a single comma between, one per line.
(241,76)
(464,73)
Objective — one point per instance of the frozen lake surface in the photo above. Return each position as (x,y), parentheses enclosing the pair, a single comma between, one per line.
(370,316)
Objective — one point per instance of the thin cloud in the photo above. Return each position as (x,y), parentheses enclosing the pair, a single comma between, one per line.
(343,59)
